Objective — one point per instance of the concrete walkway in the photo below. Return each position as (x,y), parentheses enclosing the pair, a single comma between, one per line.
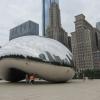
(42,90)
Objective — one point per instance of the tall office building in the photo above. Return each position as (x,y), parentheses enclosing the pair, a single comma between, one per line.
(45,11)
(98,25)
(69,43)
(85,45)
(54,28)
(27,28)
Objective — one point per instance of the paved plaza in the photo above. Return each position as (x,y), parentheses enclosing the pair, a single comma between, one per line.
(41,90)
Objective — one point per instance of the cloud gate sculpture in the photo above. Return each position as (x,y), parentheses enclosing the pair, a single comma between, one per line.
(45,57)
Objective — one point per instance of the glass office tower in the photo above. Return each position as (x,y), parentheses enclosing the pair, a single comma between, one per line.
(45,13)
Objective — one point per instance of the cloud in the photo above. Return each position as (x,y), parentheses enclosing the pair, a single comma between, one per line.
(71,8)
(15,12)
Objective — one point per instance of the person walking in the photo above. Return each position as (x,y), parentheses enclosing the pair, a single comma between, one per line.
(32,78)
(27,78)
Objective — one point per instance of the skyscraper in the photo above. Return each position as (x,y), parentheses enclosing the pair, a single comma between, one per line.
(26,28)
(45,11)
(54,29)
(85,45)
(98,25)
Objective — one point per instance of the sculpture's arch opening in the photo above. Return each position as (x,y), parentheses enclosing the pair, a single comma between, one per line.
(15,75)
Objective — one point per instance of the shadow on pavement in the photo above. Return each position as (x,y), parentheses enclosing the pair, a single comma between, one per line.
(37,82)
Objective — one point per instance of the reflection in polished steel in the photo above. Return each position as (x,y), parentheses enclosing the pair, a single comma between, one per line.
(47,58)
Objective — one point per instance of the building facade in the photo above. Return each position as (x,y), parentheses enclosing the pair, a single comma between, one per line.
(69,43)
(97,33)
(27,28)
(97,59)
(45,13)
(84,44)
(98,25)
(54,29)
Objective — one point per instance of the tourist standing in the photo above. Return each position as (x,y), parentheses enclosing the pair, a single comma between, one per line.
(32,78)
(27,78)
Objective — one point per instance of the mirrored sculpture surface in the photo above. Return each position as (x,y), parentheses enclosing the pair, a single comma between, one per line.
(45,57)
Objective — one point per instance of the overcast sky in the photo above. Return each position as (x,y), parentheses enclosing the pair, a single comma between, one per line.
(15,12)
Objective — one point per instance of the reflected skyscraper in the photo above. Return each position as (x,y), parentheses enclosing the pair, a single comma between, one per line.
(45,8)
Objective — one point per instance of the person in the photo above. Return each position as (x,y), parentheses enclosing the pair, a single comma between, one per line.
(84,77)
(27,78)
(32,78)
